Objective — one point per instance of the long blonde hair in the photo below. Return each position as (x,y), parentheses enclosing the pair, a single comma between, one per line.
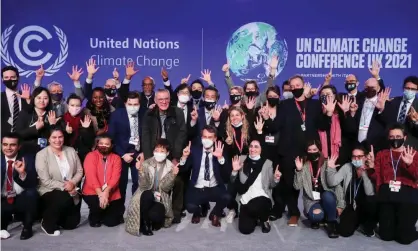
(245,126)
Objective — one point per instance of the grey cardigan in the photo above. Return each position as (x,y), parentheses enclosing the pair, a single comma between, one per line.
(267,176)
(303,179)
(345,175)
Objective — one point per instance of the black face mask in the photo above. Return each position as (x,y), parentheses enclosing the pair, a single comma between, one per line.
(273,101)
(396,143)
(312,156)
(104,150)
(235,98)
(350,86)
(209,105)
(251,94)
(297,93)
(370,92)
(56,97)
(11,84)
(196,94)
(110,92)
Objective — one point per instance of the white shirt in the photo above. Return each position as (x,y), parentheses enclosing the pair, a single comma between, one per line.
(201,182)
(134,140)
(18,189)
(254,191)
(64,167)
(184,108)
(366,117)
(408,106)
(10,101)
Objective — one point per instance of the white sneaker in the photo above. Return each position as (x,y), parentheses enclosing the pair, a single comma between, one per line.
(4,234)
(56,232)
(231,216)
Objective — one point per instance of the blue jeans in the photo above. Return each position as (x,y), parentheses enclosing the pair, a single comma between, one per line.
(328,207)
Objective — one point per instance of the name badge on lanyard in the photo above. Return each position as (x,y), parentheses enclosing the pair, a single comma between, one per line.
(302,115)
(104,176)
(394,185)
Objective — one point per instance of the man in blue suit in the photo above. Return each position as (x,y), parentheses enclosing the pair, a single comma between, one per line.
(125,130)
(18,187)
(209,170)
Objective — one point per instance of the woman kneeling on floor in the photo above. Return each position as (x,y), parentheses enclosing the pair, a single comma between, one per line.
(150,207)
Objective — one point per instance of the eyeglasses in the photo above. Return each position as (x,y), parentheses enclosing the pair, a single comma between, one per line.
(357,156)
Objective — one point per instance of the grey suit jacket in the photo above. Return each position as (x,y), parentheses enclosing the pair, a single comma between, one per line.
(49,173)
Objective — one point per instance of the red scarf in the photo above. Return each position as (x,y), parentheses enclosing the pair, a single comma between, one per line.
(74,122)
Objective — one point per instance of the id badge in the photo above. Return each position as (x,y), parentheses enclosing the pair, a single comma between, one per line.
(157,196)
(10,121)
(11,194)
(42,142)
(134,141)
(316,195)
(364,128)
(395,186)
(269,139)
(303,127)
(104,187)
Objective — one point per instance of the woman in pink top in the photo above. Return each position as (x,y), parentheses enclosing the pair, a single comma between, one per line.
(102,170)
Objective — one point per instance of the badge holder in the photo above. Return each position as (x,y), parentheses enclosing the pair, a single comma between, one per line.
(42,142)
(157,196)
(134,141)
(395,186)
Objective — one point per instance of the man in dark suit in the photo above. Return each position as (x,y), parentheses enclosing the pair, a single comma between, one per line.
(18,187)
(125,130)
(401,110)
(209,169)
(165,121)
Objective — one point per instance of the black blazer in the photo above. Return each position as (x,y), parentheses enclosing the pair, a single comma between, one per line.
(5,113)
(31,180)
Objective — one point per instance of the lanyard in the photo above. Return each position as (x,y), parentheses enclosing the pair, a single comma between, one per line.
(395,167)
(314,178)
(105,170)
(302,113)
(156,177)
(240,146)
(357,186)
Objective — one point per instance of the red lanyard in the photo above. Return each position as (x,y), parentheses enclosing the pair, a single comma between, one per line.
(236,142)
(302,114)
(314,179)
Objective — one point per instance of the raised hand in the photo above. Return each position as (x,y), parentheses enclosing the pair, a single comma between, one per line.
(225,67)
(228,139)
(139,161)
(130,70)
(236,164)
(330,106)
(20,166)
(345,103)
(382,98)
(375,70)
(328,77)
(250,103)
(40,73)
(298,163)
(39,123)
(115,74)
(25,88)
(277,173)
(206,76)
(259,124)
(68,128)
(216,114)
(75,74)
(353,107)
(176,169)
(86,122)
(413,115)
(185,80)
(91,68)
(186,150)
(307,89)
(314,91)
(194,115)
(219,149)
(370,158)
(264,112)
(408,155)
(52,118)
(274,62)
(164,73)
(225,106)
(332,160)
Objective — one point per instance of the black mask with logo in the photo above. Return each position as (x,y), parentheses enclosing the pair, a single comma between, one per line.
(396,143)
(350,86)
(235,98)
(110,92)
(11,84)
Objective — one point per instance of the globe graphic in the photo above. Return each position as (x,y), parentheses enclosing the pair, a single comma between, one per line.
(251,48)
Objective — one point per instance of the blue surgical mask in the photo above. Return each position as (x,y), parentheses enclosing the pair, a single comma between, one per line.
(357,163)
(409,94)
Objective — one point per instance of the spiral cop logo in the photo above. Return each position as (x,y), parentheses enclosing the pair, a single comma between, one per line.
(29,57)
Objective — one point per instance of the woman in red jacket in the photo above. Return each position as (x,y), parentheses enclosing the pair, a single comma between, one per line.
(102,170)
(397,185)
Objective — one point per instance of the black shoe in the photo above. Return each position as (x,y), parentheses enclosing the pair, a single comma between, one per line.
(315,225)
(176,220)
(26,233)
(95,224)
(274,217)
(265,227)
(182,214)
(146,229)
(332,230)
(367,232)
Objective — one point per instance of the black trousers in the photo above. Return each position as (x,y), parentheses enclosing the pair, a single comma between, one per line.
(365,215)
(124,178)
(233,204)
(199,196)
(151,210)
(397,222)
(60,211)
(178,196)
(25,206)
(256,209)
(110,216)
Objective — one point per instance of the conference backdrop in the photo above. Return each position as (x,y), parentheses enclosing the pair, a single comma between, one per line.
(187,36)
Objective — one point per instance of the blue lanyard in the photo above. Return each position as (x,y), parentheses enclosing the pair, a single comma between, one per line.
(395,167)
(357,186)
(156,178)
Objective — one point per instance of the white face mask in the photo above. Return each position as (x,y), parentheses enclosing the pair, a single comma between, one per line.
(237,125)
(132,109)
(74,110)
(207,143)
(287,95)
(257,157)
(184,99)
(160,157)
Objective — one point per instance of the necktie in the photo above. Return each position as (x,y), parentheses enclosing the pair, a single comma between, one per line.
(208,117)
(402,114)
(136,133)
(15,111)
(207,172)
(9,182)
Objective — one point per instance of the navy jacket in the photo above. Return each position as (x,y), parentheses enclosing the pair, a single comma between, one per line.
(31,180)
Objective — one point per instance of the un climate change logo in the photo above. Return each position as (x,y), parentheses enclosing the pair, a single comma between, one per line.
(22,40)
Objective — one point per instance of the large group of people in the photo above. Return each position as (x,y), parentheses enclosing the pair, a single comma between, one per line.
(351,154)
